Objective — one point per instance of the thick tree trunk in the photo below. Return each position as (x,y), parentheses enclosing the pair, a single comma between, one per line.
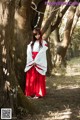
(62,46)
(7,33)
(15,33)
(23,36)
(1,77)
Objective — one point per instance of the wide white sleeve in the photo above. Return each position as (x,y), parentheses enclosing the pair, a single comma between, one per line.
(29,54)
(29,59)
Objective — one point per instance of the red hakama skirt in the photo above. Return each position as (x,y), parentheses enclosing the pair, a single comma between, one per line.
(35,82)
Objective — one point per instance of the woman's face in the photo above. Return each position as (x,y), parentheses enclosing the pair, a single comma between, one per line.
(34,31)
(37,36)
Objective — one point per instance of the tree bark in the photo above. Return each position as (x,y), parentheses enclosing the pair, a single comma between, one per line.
(23,36)
(63,45)
(52,18)
(59,18)
(6,32)
(76,17)
(48,21)
(15,33)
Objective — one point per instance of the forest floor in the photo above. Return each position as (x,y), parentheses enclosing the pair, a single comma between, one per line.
(62,101)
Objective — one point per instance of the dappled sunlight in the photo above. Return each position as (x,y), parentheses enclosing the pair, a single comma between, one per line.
(4,60)
(73,70)
(2,42)
(60,86)
(67,87)
(4,16)
(3,50)
(19,20)
(60,115)
(19,60)
(63,82)
(6,71)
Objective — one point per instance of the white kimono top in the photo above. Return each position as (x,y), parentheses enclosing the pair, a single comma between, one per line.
(40,59)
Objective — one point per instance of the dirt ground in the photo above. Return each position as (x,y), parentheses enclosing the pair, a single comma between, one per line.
(62,101)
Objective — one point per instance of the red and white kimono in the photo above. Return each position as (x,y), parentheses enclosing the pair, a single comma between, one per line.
(35,74)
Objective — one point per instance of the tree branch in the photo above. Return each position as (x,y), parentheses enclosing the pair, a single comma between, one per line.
(77,15)
(49,20)
(59,18)
(52,17)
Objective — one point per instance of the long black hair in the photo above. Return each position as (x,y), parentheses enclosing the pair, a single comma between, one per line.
(35,32)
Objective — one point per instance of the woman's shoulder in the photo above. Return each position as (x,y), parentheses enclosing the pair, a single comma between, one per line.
(29,43)
(45,42)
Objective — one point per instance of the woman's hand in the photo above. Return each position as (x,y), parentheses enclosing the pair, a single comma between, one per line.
(34,64)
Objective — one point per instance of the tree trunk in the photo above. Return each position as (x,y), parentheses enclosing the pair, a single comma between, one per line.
(76,17)
(62,46)
(15,33)
(51,17)
(22,36)
(7,33)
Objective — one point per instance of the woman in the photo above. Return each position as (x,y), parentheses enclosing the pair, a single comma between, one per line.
(36,66)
